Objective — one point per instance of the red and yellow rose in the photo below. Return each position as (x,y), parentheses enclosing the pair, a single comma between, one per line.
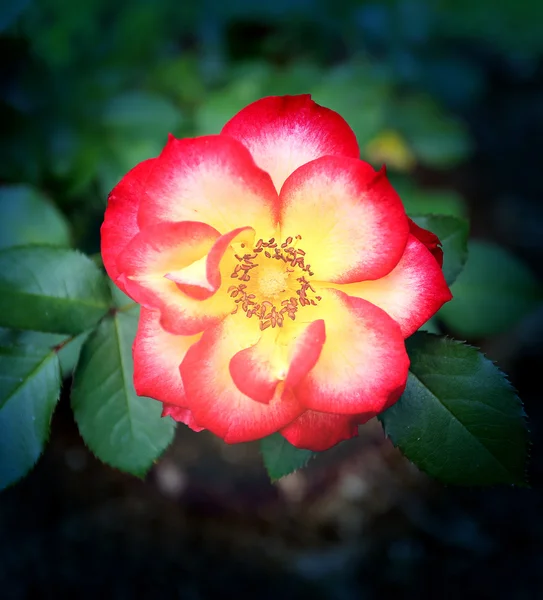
(278,276)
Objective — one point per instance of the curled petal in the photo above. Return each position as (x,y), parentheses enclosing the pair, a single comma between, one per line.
(363,365)
(157,258)
(157,356)
(214,399)
(319,431)
(411,293)
(278,356)
(429,239)
(161,249)
(120,221)
(202,278)
(284,132)
(212,179)
(165,247)
(180,314)
(351,220)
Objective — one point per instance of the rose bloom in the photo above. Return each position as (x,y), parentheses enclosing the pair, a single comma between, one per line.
(278,277)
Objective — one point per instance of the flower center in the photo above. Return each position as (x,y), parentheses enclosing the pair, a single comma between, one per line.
(273,281)
(275,287)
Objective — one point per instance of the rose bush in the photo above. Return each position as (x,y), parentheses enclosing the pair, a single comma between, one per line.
(278,276)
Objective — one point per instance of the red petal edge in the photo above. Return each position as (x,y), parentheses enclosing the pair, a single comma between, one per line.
(429,239)
(284,132)
(182,415)
(319,431)
(157,356)
(120,220)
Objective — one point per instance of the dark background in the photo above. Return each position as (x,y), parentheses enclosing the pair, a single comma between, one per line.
(450,95)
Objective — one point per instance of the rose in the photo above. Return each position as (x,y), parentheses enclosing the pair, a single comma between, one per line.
(278,276)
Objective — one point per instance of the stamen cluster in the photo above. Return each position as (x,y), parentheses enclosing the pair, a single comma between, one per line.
(266,311)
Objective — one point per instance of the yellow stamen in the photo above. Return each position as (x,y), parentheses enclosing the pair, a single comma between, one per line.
(275,287)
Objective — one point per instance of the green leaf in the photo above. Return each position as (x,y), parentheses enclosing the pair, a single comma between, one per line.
(418,201)
(281,458)
(459,419)
(453,234)
(124,430)
(66,347)
(493,293)
(28,217)
(29,390)
(120,299)
(68,352)
(431,326)
(54,290)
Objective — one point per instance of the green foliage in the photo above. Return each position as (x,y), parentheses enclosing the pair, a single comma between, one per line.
(29,390)
(49,289)
(245,84)
(94,88)
(509,26)
(82,83)
(459,419)
(140,112)
(281,458)
(362,94)
(28,217)
(437,139)
(120,299)
(10,11)
(135,126)
(431,326)
(493,293)
(453,235)
(419,201)
(68,352)
(359,94)
(67,348)
(122,429)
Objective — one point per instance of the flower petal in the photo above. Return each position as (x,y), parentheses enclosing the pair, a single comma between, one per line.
(120,221)
(284,132)
(429,239)
(157,356)
(212,179)
(363,364)
(182,415)
(214,399)
(159,249)
(202,278)
(411,293)
(153,260)
(319,431)
(305,351)
(352,223)
(287,354)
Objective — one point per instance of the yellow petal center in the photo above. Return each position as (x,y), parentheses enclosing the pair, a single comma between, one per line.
(273,282)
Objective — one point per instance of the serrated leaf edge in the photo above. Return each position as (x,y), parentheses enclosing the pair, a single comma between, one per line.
(506,380)
(51,355)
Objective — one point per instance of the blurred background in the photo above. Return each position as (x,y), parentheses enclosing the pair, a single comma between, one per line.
(449,94)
